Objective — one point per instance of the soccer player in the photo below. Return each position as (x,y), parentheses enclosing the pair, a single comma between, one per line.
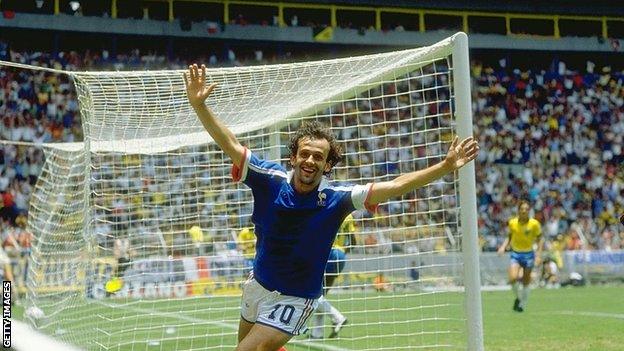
(335,264)
(523,233)
(296,216)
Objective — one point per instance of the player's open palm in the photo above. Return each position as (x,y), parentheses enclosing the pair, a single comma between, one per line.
(462,152)
(195,81)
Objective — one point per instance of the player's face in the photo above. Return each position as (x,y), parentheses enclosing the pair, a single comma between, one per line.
(310,163)
(523,212)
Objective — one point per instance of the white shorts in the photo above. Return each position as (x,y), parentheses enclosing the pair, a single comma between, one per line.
(286,313)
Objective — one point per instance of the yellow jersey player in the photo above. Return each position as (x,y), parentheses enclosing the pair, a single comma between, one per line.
(337,256)
(246,241)
(335,264)
(524,232)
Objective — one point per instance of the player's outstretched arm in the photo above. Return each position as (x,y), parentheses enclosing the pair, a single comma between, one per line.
(198,92)
(459,154)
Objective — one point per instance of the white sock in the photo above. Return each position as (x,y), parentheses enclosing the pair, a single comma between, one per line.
(336,316)
(323,305)
(525,296)
(514,288)
(316,331)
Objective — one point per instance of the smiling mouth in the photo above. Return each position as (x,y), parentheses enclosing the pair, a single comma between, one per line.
(307,170)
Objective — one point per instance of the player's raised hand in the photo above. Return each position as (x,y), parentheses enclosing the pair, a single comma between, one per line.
(462,152)
(196,89)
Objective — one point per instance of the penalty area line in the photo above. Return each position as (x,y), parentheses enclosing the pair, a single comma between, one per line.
(591,314)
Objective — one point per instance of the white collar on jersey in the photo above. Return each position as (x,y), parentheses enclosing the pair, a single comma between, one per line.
(324,182)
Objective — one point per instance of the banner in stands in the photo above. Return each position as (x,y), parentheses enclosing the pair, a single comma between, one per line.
(171,278)
(223,274)
(598,262)
(144,278)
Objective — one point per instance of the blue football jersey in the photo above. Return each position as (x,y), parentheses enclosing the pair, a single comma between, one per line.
(294,232)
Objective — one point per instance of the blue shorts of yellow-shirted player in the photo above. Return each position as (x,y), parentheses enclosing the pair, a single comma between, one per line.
(523,259)
(336,262)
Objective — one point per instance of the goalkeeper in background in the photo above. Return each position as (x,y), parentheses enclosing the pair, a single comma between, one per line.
(523,233)
(335,264)
(296,216)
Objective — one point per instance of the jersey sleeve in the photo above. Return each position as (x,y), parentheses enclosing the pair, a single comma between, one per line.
(253,171)
(360,195)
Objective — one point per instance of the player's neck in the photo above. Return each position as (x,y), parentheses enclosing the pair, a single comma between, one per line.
(301,188)
(523,220)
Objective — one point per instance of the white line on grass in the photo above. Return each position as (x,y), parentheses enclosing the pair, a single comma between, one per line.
(592,314)
(309,343)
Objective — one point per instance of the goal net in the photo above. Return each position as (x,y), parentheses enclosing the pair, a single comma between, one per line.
(141,233)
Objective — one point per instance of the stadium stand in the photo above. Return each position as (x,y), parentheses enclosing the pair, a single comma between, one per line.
(550,123)
(556,133)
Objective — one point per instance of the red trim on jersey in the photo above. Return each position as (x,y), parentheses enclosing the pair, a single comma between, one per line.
(237,170)
(372,208)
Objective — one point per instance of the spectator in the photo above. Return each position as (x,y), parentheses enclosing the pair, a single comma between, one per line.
(554,136)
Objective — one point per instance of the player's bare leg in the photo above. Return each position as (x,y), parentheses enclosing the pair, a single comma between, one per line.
(513,272)
(243,329)
(263,338)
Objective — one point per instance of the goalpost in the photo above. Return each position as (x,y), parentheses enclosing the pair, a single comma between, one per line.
(149,185)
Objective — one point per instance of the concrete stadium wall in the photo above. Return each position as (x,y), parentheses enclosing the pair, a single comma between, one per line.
(292,34)
(596,266)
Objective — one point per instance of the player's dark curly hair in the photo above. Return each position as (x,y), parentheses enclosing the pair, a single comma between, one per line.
(315,130)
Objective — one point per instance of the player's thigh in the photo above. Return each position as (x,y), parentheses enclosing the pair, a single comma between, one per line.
(513,271)
(243,329)
(264,338)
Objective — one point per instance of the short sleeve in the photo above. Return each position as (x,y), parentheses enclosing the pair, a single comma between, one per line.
(360,196)
(253,170)
(239,172)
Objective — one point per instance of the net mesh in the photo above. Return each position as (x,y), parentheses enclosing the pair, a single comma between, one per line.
(148,198)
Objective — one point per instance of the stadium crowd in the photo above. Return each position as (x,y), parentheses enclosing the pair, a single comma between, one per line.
(553,136)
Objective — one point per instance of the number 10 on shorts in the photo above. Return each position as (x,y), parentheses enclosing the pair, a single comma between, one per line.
(286,313)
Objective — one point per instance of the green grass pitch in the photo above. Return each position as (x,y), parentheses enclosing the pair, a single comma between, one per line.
(570,319)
